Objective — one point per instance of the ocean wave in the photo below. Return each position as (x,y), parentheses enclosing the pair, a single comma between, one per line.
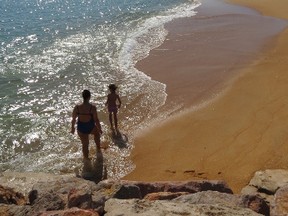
(46,77)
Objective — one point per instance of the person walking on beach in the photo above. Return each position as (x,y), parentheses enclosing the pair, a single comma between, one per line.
(113,106)
(87,123)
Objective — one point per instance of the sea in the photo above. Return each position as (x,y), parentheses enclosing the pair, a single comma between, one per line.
(51,50)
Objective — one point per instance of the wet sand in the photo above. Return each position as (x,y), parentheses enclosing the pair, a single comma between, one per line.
(243,128)
(203,53)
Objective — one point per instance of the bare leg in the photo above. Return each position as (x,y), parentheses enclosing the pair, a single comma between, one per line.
(96,138)
(115,119)
(110,120)
(85,144)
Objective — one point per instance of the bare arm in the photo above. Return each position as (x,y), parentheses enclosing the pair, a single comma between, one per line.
(96,119)
(74,116)
(106,104)
(119,100)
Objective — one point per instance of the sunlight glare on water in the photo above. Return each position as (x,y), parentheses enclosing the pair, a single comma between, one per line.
(52,50)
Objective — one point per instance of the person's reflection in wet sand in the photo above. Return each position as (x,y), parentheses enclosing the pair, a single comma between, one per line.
(94,170)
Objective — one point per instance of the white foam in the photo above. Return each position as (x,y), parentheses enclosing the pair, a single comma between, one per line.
(149,35)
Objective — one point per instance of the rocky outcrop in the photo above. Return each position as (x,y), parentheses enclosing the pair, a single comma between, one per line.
(70,212)
(69,195)
(9,196)
(134,207)
(269,181)
(216,198)
(279,205)
(21,194)
(271,186)
(134,189)
(164,195)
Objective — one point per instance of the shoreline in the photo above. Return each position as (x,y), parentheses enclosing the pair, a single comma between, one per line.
(235,135)
(203,53)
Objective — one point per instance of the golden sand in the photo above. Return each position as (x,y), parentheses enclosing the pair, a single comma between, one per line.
(243,131)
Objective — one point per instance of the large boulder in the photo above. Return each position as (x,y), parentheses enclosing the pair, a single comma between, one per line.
(255,203)
(80,198)
(138,189)
(48,201)
(10,196)
(55,192)
(279,206)
(69,212)
(43,182)
(164,195)
(138,207)
(269,181)
(59,194)
(266,183)
(128,191)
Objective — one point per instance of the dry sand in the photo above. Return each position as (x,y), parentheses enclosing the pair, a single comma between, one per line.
(244,130)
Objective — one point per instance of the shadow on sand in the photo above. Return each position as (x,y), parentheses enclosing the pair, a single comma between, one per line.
(119,139)
(95,169)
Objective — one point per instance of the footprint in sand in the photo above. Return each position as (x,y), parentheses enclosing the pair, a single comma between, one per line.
(170,171)
(189,171)
(195,174)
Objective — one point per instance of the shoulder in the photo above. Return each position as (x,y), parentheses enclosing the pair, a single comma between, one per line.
(76,107)
(93,107)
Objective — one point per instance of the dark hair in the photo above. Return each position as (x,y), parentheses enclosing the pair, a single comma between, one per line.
(86,94)
(112,87)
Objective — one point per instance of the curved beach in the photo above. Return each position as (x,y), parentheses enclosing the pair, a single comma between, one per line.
(241,131)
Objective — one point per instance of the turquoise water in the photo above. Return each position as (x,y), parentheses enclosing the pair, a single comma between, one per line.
(53,49)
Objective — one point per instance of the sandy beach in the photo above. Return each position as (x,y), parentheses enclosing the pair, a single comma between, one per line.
(241,130)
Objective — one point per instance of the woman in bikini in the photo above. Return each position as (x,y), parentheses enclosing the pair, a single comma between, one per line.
(111,102)
(87,123)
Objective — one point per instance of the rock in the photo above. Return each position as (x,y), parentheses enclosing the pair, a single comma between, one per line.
(253,191)
(164,195)
(256,204)
(128,191)
(48,202)
(265,184)
(213,197)
(4,210)
(9,196)
(59,194)
(98,202)
(280,204)
(62,187)
(176,186)
(80,198)
(132,207)
(70,212)
(269,181)
(23,182)
(14,210)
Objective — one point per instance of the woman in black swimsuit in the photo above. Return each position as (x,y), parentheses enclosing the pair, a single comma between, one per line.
(87,123)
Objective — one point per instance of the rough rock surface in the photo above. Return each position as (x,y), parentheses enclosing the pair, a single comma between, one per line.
(70,195)
(279,206)
(164,195)
(269,181)
(266,183)
(213,197)
(10,196)
(135,189)
(70,212)
(132,207)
